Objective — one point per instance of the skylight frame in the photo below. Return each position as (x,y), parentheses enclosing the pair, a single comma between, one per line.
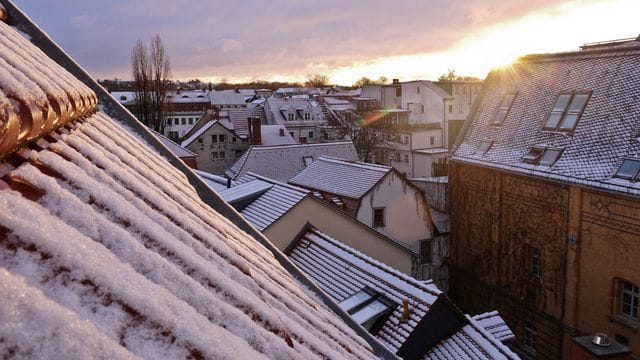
(636,173)
(503,111)
(537,154)
(480,150)
(562,114)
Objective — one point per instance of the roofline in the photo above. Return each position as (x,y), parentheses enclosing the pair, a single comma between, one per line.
(113,108)
(276,182)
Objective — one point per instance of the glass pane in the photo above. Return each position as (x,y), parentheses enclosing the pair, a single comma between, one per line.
(549,157)
(507,101)
(628,170)
(553,120)
(500,116)
(355,300)
(569,122)
(483,148)
(373,309)
(578,103)
(561,102)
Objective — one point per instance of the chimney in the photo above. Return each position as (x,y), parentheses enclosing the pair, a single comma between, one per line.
(405,311)
(255,130)
(281,132)
(228,182)
(396,81)
(598,346)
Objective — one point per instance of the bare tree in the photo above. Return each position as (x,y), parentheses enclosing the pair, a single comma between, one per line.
(365,138)
(317,80)
(151,75)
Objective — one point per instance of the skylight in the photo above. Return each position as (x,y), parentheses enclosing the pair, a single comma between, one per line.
(542,155)
(566,111)
(368,308)
(503,110)
(483,148)
(629,169)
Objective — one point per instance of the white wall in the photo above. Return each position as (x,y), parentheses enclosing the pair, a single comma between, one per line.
(406,213)
(412,100)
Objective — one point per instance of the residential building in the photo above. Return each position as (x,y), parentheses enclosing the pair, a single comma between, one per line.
(231,99)
(215,143)
(376,195)
(183,111)
(281,210)
(457,107)
(109,251)
(404,313)
(283,162)
(303,118)
(545,200)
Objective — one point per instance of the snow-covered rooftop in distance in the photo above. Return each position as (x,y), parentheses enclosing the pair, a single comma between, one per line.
(342,271)
(178,150)
(492,322)
(283,162)
(244,190)
(431,151)
(276,135)
(341,177)
(216,182)
(126,260)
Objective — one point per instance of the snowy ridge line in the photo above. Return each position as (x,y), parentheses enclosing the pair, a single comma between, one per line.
(359,164)
(97,272)
(127,140)
(71,139)
(27,316)
(210,301)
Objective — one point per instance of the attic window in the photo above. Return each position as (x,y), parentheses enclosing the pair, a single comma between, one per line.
(541,155)
(307,160)
(566,111)
(503,110)
(369,308)
(629,169)
(483,148)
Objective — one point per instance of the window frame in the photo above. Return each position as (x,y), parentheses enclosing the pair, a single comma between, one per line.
(633,294)
(382,221)
(635,176)
(566,111)
(480,147)
(529,337)
(374,320)
(541,151)
(500,109)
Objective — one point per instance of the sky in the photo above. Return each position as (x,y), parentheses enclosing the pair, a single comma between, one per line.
(286,40)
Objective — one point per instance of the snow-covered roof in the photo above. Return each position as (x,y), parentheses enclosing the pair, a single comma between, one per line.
(494,323)
(216,182)
(605,134)
(431,151)
(269,206)
(341,271)
(337,176)
(277,109)
(283,162)
(244,190)
(435,88)
(205,123)
(126,260)
(276,135)
(178,150)
(228,97)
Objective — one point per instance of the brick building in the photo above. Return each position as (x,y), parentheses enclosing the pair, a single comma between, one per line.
(545,203)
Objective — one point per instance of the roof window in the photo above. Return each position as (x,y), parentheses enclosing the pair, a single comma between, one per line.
(566,111)
(369,308)
(483,148)
(542,155)
(629,169)
(503,110)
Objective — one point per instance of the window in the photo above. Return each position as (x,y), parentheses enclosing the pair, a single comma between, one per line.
(221,138)
(566,111)
(291,116)
(422,108)
(222,155)
(503,110)
(628,305)
(214,155)
(629,169)
(190,121)
(406,159)
(184,121)
(307,160)
(535,266)
(450,109)
(169,121)
(483,148)
(176,121)
(530,335)
(541,155)
(234,139)
(307,116)
(310,134)
(378,217)
(214,138)
(432,140)
(426,252)
(302,139)
(238,153)
(369,308)
(418,89)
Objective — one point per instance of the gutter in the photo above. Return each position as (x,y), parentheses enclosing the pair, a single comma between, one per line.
(114,109)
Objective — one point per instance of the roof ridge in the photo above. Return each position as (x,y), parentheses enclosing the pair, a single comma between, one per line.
(360,164)
(276,182)
(300,145)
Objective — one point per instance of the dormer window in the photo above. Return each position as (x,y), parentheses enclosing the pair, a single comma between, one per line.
(307,116)
(503,110)
(542,155)
(629,169)
(369,308)
(291,116)
(483,148)
(566,111)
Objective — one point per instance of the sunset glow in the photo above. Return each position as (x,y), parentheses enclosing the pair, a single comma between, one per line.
(557,28)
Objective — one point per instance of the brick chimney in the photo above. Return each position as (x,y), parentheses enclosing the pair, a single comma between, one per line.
(396,81)
(255,132)
(598,346)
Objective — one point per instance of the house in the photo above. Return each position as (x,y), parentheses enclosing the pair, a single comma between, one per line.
(545,201)
(110,250)
(215,143)
(457,107)
(303,118)
(281,210)
(283,162)
(184,108)
(407,315)
(375,195)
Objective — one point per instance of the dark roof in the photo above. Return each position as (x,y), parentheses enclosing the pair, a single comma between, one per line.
(106,240)
(341,271)
(607,132)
